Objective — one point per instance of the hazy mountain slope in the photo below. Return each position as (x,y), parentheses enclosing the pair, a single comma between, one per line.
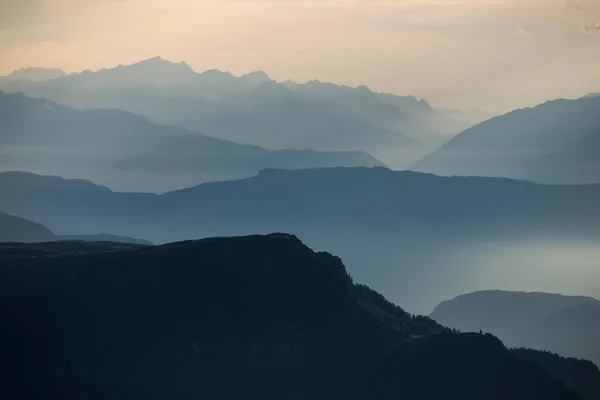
(32,75)
(360,100)
(15,229)
(473,117)
(127,152)
(566,325)
(405,114)
(332,197)
(555,142)
(425,119)
(253,317)
(288,119)
(417,238)
(159,82)
(571,331)
(254,109)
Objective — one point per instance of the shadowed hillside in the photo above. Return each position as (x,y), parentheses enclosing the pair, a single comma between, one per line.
(261,317)
(580,375)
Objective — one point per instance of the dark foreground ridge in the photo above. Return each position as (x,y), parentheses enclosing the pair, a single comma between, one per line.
(256,317)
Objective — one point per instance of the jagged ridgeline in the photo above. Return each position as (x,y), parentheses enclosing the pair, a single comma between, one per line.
(257,317)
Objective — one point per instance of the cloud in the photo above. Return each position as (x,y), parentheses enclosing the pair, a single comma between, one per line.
(593,28)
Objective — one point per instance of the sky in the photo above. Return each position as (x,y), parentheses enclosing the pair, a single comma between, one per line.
(489,54)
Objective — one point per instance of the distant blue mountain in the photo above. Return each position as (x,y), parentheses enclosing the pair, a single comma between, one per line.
(127,152)
(567,325)
(555,142)
(254,109)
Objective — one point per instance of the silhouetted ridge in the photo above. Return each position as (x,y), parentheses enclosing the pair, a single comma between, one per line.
(580,375)
(15,229)
(435,368)
(260,317)
(263,312)
(567,325)
(381,222)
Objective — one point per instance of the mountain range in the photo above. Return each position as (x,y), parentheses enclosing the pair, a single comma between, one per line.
(482,229)
(254,109)
(127,152)
(32,74)
(230,318)
(555,142)
(566,325)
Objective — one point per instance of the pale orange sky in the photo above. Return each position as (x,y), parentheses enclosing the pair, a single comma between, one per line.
(494,54)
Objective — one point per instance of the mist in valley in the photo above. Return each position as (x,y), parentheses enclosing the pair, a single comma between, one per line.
(420,273)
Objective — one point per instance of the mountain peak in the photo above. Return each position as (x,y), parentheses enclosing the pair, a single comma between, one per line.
(216,76)
(216,72)
(363,89)
(154,70)
(425,106)
(158,62)
(256,77)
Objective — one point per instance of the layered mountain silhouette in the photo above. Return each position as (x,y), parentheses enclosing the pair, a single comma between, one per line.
(127,152)
(15,229)
(391,221)
(230,318)
(253,109)
(565,325)
(32,74)
(20,230)
(414,117)
(555,142)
